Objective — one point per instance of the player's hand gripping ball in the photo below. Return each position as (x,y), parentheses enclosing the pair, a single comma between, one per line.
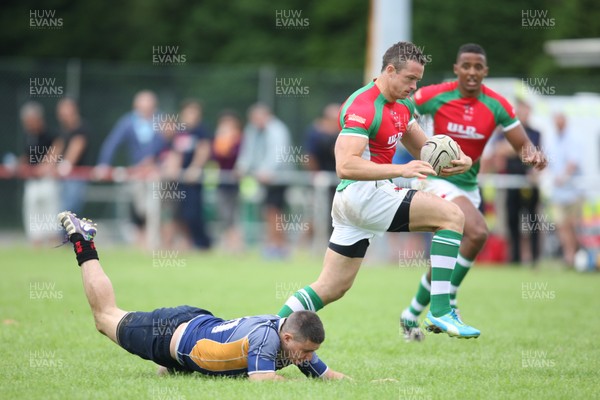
(439,151)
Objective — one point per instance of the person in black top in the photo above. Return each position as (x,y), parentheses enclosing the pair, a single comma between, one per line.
(320,140)
(72,145)
(320,144)
(189,151)
(522,203)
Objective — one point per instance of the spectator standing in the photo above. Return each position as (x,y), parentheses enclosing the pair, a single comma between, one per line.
(320,144)
(265,144)
(320,140)
(37,163)
(566,197)
(522,203)
(136,130)
(72,145)
(225,151)
(191,150)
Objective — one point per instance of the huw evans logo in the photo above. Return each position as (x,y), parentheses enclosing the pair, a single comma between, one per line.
(44,19)
(536,19)
(291,87)
(167,55)
(538,86)
(291,19)
(45,87)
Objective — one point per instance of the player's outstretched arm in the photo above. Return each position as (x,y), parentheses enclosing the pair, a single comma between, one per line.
(265,376)
(529,154)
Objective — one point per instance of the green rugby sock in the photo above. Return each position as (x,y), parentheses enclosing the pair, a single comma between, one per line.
(444,249)
(304,299)
(460,271)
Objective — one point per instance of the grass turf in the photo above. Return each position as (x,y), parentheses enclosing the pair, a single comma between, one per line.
(538,330)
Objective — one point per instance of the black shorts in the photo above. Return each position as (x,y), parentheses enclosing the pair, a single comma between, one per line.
(275,196)
(148,334)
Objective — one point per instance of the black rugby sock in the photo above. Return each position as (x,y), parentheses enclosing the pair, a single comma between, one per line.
(84,250)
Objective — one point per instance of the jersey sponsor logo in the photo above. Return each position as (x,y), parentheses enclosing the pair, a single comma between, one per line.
(462,131)
(226,327)
(392,140)
(357,118)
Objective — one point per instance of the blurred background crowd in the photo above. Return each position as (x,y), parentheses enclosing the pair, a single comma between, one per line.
(167,156)
(191,126)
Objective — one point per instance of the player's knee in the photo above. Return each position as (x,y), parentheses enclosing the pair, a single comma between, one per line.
(331,293)
(100,320)
(339,292)
(477,234)
(99,324)
(454,219)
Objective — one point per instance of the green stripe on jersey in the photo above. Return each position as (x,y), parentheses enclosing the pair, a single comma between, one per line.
(380,102)
(351,99)
(432,105)
(500,114)
(410,104)
(373,129)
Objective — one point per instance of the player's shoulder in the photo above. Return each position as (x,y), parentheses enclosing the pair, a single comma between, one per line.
(428,92)
(266,317)
(359,108)
(492,94)
(362,98)
(408,103)
(263,330)
(268,321)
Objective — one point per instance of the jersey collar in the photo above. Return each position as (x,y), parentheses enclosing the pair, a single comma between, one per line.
(280,324)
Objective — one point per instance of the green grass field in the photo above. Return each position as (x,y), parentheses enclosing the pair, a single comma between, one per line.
(538,330)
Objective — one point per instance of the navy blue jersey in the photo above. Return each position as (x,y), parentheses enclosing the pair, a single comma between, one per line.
(242,346)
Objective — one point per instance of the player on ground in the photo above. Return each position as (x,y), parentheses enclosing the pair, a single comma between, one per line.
(373,120)
(469,112)
(191,339)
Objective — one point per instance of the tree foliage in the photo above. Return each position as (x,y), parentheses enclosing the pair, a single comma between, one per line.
(246,33)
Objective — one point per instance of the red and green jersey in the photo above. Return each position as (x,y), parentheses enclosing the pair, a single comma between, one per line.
(367,114)
(469,121)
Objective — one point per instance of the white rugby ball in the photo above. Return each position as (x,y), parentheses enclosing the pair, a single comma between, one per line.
(439,151)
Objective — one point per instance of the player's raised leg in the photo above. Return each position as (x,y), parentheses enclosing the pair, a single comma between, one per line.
(97,286)
(335,279)
(429,212)
(101,297)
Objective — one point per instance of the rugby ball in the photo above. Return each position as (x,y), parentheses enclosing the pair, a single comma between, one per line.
(439,151)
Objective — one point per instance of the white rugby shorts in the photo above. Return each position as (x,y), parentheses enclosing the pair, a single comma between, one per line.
(364,209)
(446,190)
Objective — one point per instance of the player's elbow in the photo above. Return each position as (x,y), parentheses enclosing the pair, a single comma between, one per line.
(342,170)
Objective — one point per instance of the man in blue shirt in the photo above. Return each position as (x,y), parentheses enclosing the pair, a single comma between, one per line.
(136,130)
(191,339)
